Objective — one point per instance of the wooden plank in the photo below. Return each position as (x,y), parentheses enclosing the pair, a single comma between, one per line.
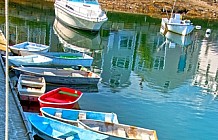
(31,83)
(3,42)
(68,93)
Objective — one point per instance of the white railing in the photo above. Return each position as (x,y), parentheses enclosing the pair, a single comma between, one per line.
(88,14)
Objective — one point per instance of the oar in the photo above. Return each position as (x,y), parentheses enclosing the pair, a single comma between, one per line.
(68,93)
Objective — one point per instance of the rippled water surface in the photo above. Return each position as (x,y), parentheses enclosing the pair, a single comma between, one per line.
(165,83)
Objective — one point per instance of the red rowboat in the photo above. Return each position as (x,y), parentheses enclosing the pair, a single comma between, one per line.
(61,97)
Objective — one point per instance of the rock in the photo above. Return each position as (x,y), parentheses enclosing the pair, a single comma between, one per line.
(190,8)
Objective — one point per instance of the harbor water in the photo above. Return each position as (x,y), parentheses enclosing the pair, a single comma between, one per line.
(161,82)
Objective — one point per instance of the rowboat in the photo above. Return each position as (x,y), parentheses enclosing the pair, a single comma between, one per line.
(61,76)
(30,87)
(71,115)
(28,46)
(80,14)
(50,129)
(65,59)
(117,130)
(61,97)
(30,60)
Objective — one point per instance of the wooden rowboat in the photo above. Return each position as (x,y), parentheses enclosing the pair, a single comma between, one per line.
(71,115)
(61,97)
(30,87)
(64,59)
(61,76)
(119,130)
(30,60)
(28,47)
(50,129)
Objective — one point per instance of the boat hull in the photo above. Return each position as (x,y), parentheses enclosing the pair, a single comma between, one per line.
(31,60)
(76,21)
(63,59)
(71,115)
(28,47)
(67,99)
(68,106)
(119,130)
(50,129)
(27,97)
(59,76)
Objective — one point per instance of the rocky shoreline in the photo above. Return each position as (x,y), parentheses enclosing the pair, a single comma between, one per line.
(202,9)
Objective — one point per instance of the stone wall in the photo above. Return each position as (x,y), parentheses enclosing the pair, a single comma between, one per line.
(159,8)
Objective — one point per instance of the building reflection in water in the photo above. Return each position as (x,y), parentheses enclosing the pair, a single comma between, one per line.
(118,58)
(207,67)
(171,62)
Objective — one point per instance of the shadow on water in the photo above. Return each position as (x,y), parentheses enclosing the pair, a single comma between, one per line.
(34,107)
(83,88)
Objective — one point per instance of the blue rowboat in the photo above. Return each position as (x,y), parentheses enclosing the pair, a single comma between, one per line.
(65,59)
(30,60)
(72,116)
(51,129)
(28,47)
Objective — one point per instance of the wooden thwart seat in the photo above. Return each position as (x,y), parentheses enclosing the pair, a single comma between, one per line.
(121,132)
(31,83)
(68,93)
(48,73)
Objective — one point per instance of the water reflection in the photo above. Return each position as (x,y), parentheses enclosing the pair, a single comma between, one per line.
(172,62)
(162,62)
(76,39)
(173,39)
(118,58)
(207,67)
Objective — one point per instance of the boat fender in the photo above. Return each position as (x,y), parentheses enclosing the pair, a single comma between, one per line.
(58,113)
(82,115)
(89,74)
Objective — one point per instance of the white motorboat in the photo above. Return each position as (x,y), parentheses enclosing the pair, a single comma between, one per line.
(176,25)
(81,14)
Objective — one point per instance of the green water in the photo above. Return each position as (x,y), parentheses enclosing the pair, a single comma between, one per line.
(147,82)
